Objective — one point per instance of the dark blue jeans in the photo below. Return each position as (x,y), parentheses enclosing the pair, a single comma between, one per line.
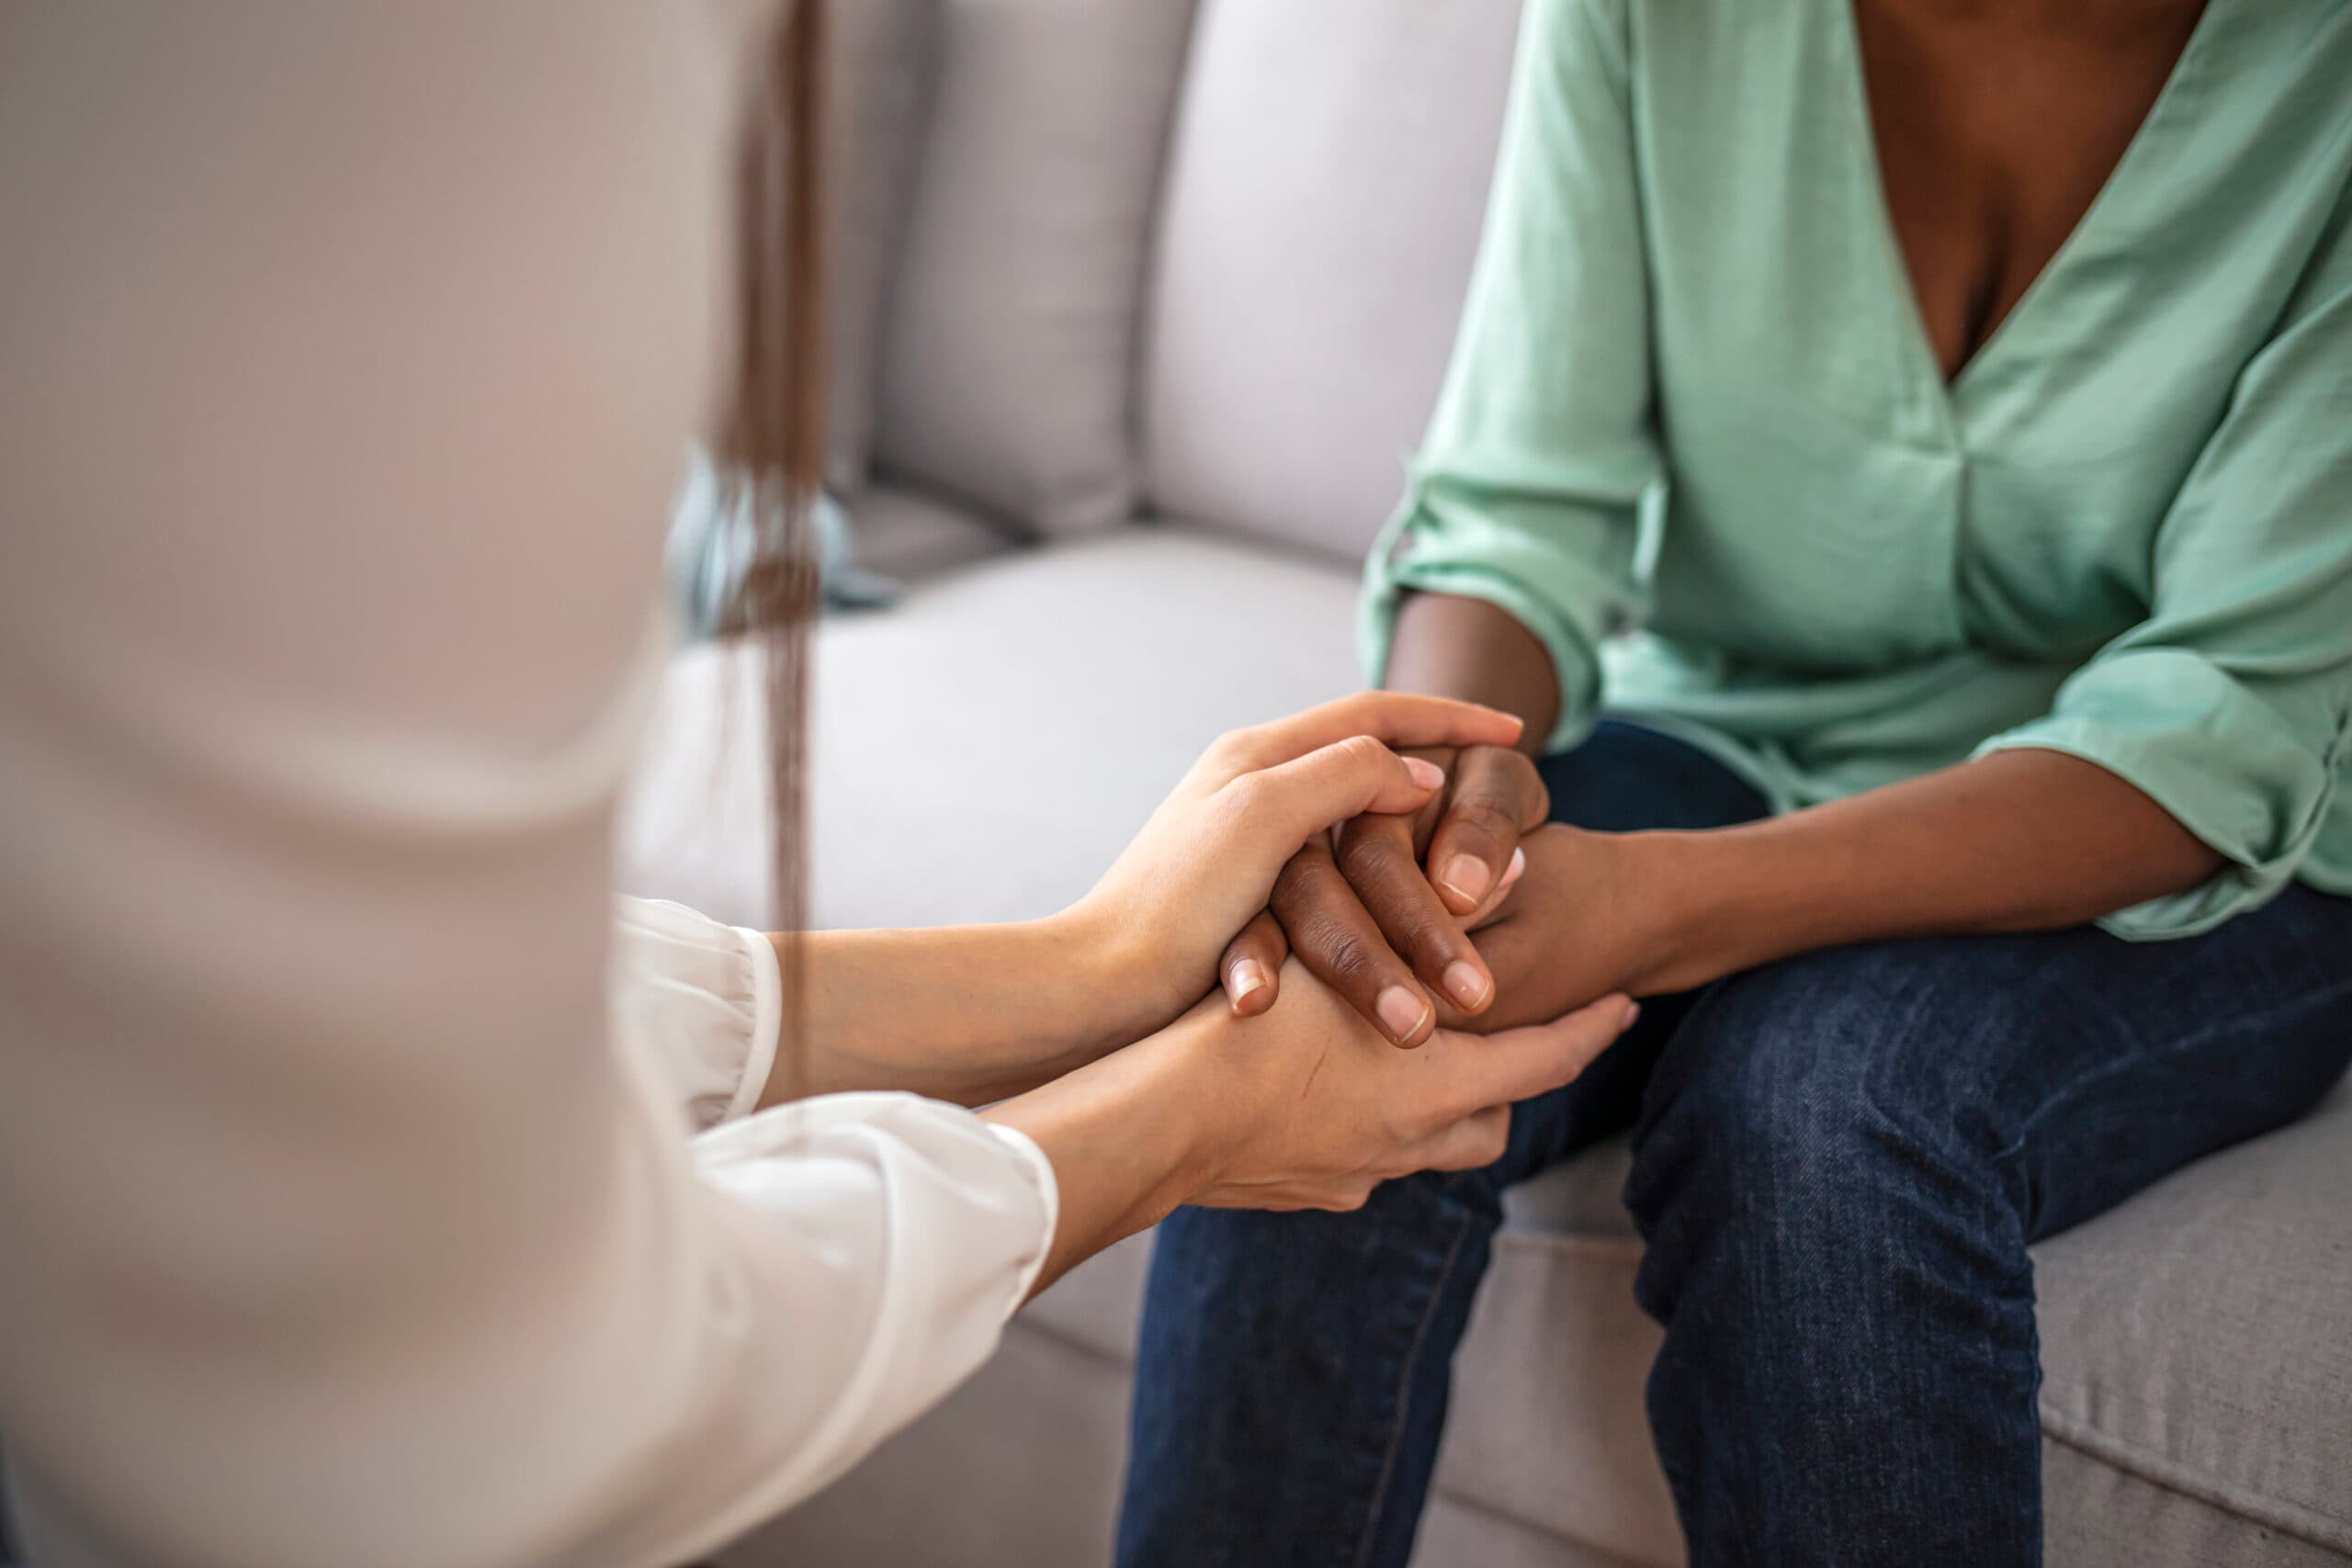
(1839,1161)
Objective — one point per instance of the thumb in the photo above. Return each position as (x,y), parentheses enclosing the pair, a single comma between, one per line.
(1520,1064)
(1297,799)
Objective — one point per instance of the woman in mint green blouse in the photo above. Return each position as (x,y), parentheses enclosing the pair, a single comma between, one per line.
(1898,458)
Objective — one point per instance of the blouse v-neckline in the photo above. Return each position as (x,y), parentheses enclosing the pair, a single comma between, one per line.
(2116,190)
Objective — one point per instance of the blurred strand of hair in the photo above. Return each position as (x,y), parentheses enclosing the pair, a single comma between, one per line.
(771,445)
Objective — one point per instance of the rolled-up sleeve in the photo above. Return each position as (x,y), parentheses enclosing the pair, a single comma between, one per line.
(2230,705)
(1527,487)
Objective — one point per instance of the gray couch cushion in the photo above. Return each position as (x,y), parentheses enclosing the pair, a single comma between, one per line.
(1017,1469)
(907,534)
(1325,184)
(983,751)
(2200,1338)
(2095,1514)
(1008,359)
(882,55)
(1584,1197)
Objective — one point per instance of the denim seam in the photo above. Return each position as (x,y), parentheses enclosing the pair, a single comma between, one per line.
(1405,1395)
(2181,1046)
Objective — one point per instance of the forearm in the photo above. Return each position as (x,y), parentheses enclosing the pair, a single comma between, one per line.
(1452,646)
(1128,1137)
(969,1014)
(2020,840)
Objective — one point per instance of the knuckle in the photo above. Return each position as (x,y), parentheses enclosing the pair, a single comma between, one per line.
(1241,749)
(1342,949)
(1364,856)
(1424,941)
(1485,816)
(1422,927)
(1297,885)
(1244,795)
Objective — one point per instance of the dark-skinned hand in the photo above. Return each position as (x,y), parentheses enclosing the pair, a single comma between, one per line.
(1381,908)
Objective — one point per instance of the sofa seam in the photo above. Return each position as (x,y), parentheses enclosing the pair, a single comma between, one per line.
(1573,1241)
(1124,1363)
(2303,1522)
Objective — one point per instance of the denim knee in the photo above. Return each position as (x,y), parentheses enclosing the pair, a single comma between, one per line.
(1801,1149)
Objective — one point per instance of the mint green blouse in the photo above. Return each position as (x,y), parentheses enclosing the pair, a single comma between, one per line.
(1694,436)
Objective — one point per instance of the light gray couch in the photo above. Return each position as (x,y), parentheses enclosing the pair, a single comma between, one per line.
(1152,303)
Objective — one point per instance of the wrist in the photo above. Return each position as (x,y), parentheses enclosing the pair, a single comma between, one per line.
(1118,989)
(1132,1136)
(1450,646)
(1197,1086)
(1686,915)
(970,1013)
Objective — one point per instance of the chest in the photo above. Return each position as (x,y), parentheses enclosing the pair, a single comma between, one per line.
(1995,130)
(1880,446)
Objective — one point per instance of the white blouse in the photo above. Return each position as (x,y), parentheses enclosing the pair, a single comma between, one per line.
(351,1209)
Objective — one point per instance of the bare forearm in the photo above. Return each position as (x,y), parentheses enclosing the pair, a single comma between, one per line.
(969,1014)
(1128,1137)
(1452,646)
(2021,841)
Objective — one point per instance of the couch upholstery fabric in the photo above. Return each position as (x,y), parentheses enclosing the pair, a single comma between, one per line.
(2199,1339)
(905,533)
(1325,183)
(1046,698)
(1008,361)
(882,57)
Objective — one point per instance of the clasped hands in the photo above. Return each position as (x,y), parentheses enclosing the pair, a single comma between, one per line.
(1107,1035)
(1469,912)
(1347,949)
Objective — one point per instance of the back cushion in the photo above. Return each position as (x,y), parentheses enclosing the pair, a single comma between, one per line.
(1326,182)
(882,55)
(1009,357)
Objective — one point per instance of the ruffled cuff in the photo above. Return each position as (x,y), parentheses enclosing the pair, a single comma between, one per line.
(706,1000)
(1040,1171)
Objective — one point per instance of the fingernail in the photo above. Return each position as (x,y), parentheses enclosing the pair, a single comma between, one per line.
(1632,1011)
(1516,869)
(1249,976)
(1467,875)
(1424,773)
(1401,1012)
(1465,984)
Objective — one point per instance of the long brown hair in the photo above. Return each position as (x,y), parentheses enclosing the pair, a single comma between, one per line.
(772,446)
